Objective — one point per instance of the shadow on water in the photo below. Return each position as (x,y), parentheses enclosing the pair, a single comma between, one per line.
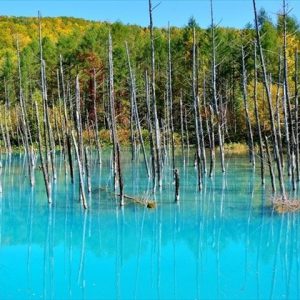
(223,242)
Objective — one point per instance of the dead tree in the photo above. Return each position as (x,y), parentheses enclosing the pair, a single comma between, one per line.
(157,144)
(150,130)
(277,113)
(297,115)
(181,124)
(260,140)
(196,114)
(79,142)
(269,159)
(116,147)
(47,178)
(96,117)
(245,97)
(269,99)
(214,90)
(80,170)
(25,127)
(46,122)
(170,94)
(135,109)
(66,121)
(289,125)
(87,169)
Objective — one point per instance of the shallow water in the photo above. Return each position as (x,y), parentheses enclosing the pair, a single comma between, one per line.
(221,243)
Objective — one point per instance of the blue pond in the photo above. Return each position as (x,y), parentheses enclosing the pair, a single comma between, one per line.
(221,243)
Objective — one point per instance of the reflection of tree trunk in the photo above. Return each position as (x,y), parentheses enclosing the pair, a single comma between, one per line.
(81,278)
(139,255)
(277,250)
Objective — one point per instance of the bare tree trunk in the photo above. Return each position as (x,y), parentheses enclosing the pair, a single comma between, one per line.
(87,169)
(245,97)
(44,168)
(277,114)
(261,150)
(270,164)
(46,123)
(7,117)
(81,176)
(209,131)
(196,114)
(134,103)
(116,146)
(214,90)
(153,94)
(170,93)
(287,98)
(66,119)
(297,115)
(181,124)
(212,146)
(186,129)
(150,131)
(274,132)
(96,118)
(25,128)
(79,145)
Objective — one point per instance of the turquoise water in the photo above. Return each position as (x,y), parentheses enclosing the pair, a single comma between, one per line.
(221,243)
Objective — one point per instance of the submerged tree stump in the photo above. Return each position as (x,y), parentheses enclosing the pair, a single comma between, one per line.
(285,206)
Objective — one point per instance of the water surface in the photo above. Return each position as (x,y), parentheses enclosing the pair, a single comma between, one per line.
(221,243)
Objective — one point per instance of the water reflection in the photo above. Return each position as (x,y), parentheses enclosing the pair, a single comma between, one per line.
(223,242)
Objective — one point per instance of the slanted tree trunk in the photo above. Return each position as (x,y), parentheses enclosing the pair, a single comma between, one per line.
(261,150)
(44,168)
(80,170)
(136,112)
(271,113)
(25,127)
(277,113)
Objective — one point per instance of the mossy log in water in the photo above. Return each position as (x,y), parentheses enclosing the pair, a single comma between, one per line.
(142,201)
(285,206)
